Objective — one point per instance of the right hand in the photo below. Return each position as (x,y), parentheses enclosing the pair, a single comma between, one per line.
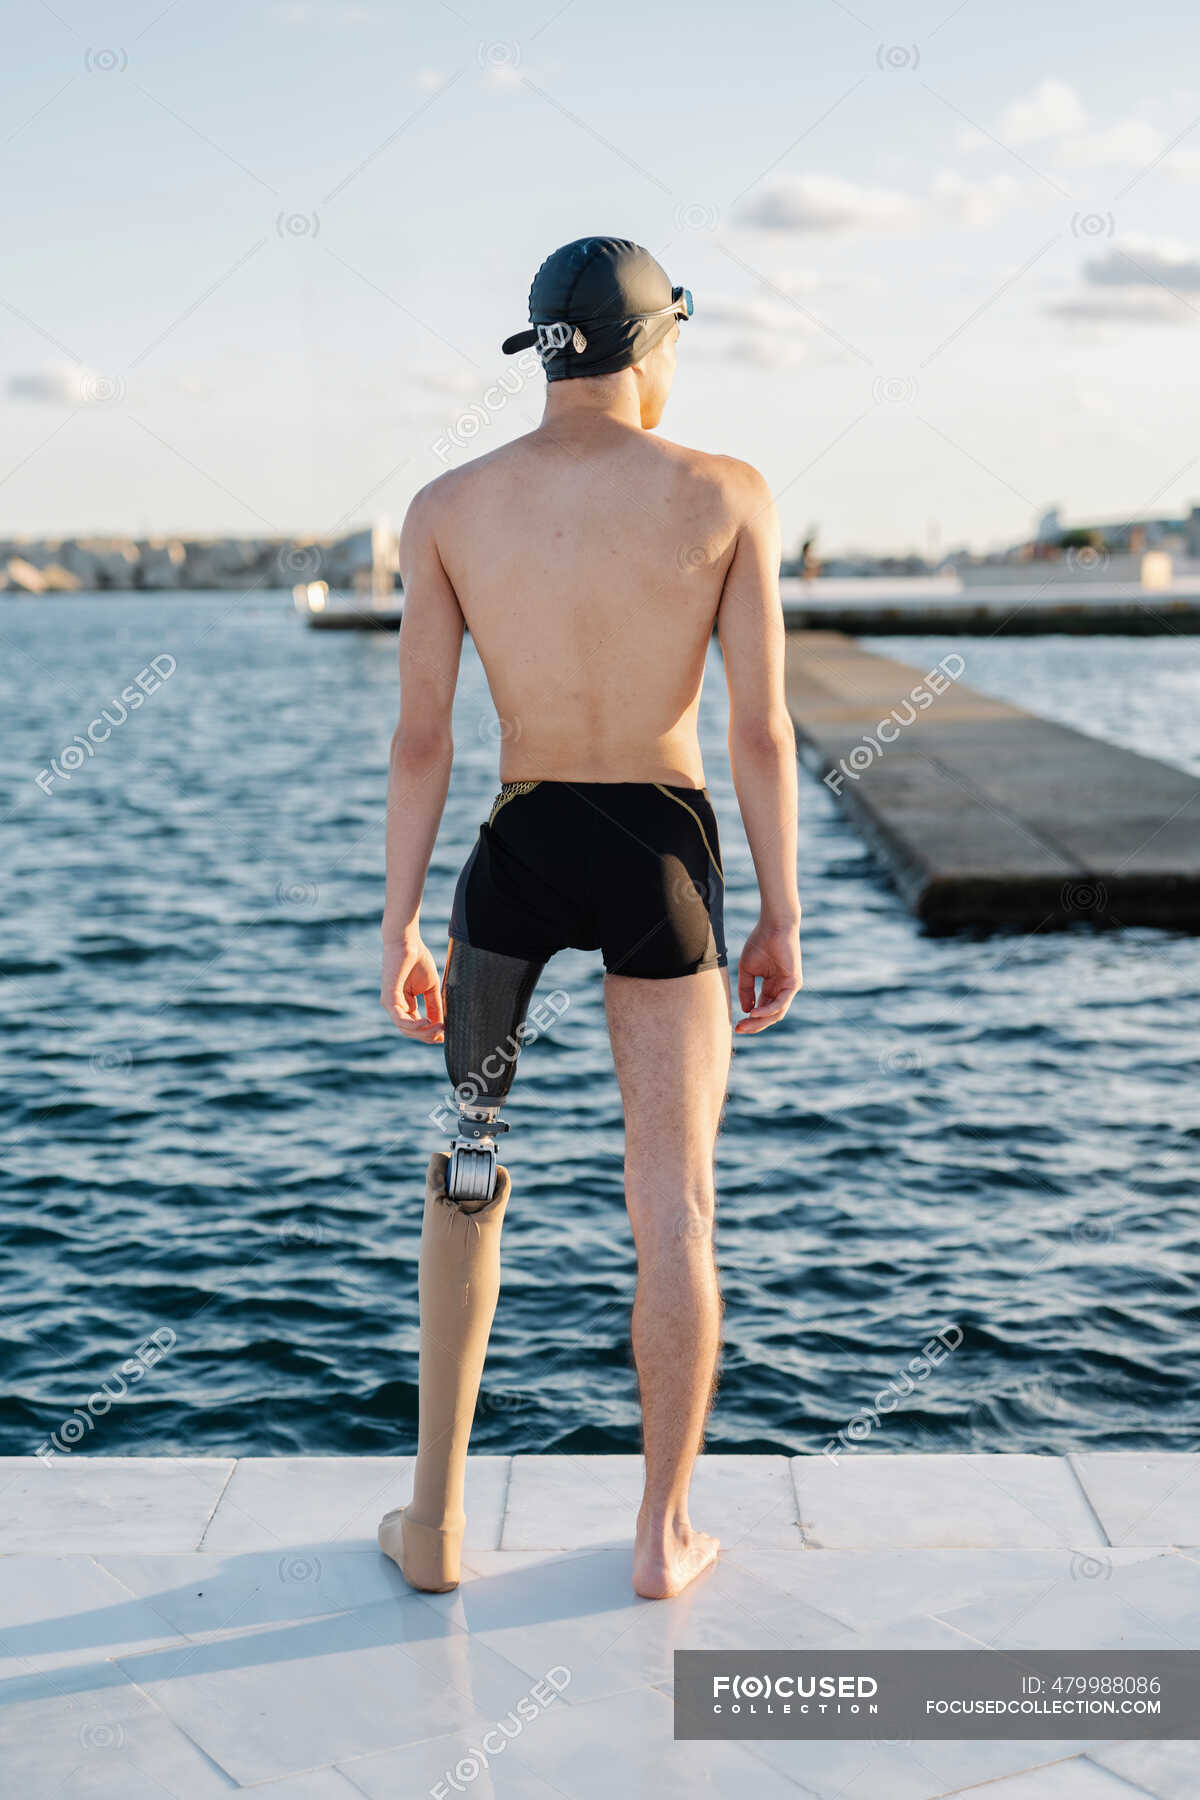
(772,956)
(409,977)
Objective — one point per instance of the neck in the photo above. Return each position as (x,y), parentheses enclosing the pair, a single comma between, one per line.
(592,398)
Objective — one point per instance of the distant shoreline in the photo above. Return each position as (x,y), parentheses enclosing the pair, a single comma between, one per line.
(363,560)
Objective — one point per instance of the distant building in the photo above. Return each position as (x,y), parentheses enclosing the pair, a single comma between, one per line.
(1052,539)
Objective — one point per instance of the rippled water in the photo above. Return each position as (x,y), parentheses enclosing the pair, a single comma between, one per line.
(213,1132)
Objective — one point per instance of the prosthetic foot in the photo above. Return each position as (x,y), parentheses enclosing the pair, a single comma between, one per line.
(459,1282)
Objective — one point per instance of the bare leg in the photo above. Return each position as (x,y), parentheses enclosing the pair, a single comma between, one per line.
(671,1047)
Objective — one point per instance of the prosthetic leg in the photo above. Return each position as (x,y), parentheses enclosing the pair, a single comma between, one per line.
(485,997)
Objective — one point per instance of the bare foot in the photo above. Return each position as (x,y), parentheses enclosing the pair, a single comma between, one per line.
(667,1558)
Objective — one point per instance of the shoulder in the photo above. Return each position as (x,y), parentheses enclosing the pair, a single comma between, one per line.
(433,501)
(747,487)
(440,500)
(743,488)
(428,523)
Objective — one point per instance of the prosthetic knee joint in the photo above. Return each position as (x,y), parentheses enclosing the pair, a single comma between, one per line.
(486,996)
(472,1173)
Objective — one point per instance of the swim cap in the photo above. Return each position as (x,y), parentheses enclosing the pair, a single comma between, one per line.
(597,306)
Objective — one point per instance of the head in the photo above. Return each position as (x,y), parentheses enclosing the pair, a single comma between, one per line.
(605,319)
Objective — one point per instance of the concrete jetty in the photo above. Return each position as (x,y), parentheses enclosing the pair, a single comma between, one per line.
(1028,605)
(878,606)
(987,815)
(197,1626)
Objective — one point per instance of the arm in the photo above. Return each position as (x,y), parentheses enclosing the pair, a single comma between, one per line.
(762,752)
(418,771)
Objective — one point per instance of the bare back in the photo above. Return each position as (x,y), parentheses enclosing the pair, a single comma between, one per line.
(589,568)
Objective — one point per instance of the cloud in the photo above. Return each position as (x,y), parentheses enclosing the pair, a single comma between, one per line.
(302,12)
(763,353)
(503,65)
(827,203)
(196,387)
(1144,262)
(48,387)
(1129,141)
(1184,160)
(65,386)
(813,281)
(746,315)
(975,203)
(1143,307)
(455,382)
(766,334)
(1139,281)
(1051,110)
(1054,116)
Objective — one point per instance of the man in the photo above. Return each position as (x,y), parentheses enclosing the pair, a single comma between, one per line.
(591,561)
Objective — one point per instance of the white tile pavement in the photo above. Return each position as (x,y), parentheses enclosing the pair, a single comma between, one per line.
(622,1745)
(280,1500)
(194,1628)
(1078,1779)
(1143,1499)
(311,1692)
(836,1769)
(878,1588)
(942,1502)
(56,1611)
(214,1592)
(1169,1771)
(580,1612)
(1094,1600)
(572,1502)
(98,1503)
(104,1742)
(418,1768)
(318,1784)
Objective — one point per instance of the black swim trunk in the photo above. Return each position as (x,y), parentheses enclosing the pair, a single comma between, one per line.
(631,868)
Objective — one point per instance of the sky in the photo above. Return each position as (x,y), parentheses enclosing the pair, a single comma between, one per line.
(260,257)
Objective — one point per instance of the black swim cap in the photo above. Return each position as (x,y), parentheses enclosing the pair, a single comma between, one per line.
(596,306)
